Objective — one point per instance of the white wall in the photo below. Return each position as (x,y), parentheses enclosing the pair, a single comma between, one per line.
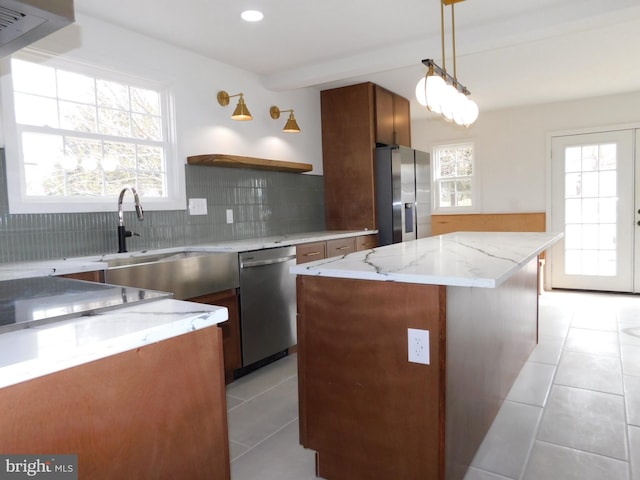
(203,126)
(510,145)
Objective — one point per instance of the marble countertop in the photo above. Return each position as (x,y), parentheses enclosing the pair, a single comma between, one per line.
(91,263)
(464,259)
(30,353)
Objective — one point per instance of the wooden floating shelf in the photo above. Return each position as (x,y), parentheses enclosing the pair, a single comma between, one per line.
(222,160)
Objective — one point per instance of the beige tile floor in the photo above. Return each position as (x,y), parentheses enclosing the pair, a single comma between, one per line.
(572,414)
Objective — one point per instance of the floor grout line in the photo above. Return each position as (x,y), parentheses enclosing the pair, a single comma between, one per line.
(261,393)
(264,439)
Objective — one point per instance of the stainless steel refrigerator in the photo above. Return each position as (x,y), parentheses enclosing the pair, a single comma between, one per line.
(403,194)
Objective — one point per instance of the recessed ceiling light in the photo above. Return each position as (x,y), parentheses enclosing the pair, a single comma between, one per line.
(252,15)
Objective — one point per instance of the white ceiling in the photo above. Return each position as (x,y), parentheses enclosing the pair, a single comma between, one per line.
(509,52)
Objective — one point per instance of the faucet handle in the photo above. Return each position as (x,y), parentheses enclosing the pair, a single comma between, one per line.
(134,234)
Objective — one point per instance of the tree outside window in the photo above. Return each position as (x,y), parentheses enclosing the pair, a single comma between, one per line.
(454,177)
(82,134)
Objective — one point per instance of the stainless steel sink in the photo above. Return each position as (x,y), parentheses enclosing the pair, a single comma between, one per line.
(185,274)
(152,258)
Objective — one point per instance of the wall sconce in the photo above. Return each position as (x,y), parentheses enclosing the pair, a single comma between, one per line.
(291,126)
(241,112)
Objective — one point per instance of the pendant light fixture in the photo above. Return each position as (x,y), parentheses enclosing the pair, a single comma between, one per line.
(439,91)
(291,126)
(241,112)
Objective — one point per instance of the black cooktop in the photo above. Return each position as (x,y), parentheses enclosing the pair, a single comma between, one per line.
(27,302)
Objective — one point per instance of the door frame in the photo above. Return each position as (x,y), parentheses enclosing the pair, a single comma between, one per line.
(548,180)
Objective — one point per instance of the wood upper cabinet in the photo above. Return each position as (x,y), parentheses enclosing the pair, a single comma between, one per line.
(350,119)
(393,126)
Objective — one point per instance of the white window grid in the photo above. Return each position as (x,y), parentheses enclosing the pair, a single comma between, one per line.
(454,174)
(139,157)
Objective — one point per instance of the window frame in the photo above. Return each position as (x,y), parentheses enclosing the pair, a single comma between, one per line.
(437,207)
(19,202)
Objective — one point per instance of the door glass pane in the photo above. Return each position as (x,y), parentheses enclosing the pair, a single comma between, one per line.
(590,210)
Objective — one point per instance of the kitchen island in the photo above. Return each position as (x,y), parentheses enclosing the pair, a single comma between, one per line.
(365,409)
(135,391)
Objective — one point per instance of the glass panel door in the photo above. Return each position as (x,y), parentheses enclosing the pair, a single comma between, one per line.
(592,203)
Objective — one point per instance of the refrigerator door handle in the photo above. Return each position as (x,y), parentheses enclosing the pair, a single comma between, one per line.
(409,217)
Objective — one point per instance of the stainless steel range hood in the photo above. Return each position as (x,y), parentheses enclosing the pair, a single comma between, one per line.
(23,22)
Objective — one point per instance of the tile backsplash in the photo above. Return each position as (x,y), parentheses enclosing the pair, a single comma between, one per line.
(264,203)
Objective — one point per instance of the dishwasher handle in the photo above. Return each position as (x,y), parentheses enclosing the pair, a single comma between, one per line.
(269,261)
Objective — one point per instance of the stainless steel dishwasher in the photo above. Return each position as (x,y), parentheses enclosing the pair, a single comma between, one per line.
(267,305)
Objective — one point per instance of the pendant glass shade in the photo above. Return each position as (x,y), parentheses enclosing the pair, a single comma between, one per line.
(471,113)
(448,99)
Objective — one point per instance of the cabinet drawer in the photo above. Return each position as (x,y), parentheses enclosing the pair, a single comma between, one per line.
(340,246)
(308,252)
(366,242)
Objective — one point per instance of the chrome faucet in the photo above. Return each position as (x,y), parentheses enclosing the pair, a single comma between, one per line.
(123,233)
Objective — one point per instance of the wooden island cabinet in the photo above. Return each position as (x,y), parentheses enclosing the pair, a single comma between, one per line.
(153,410)
(370,413)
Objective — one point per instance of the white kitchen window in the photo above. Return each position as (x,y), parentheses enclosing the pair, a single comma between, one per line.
(454,178)
(76,135)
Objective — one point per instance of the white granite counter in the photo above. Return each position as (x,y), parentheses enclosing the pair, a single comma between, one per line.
(90,263)
(33,352)
(465,259)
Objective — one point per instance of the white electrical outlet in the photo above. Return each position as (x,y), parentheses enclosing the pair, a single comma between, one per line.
(229,215)
(419,346)
(197,206)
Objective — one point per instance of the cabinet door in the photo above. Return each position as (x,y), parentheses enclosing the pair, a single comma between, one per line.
(348,145)
(366,242)
(230,329)
(309,252)
(340,246)
(401,121)
(385,130)
(393,123)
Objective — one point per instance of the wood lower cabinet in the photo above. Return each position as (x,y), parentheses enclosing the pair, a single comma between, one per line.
(366,242)
(354,119)
(340,246)
(309,252)
(371,414)
(152,413)
(230,329)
